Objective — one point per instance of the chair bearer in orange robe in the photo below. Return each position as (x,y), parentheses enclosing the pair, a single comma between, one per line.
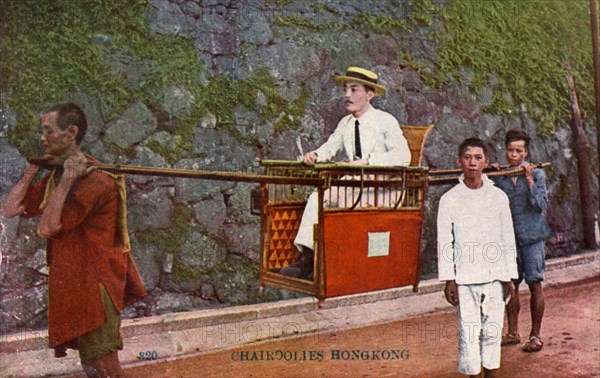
(92,276)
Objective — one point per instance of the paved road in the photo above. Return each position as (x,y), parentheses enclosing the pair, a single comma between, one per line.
(423,346)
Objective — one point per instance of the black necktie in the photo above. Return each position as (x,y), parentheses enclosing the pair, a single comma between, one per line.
(357,149)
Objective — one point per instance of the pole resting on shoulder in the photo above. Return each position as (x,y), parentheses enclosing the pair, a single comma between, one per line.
(450,176)
(435,177)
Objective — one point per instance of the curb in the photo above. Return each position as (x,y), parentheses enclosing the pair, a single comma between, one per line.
(203,331)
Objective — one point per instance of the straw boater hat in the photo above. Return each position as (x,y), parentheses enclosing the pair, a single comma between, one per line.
(360,75)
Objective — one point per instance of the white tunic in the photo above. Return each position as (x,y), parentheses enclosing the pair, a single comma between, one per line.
(476,241)
(381,138)
(476,248)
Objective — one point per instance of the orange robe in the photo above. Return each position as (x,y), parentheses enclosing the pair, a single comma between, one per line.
(87,251)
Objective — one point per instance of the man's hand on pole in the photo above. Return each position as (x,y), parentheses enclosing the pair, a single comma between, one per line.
(310,158)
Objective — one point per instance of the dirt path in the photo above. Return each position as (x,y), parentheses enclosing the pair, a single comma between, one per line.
(424,346)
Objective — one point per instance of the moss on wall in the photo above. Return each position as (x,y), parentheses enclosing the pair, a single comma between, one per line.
(55,48)
(52,48)
(278,2)
(184,273)
(171,239)
(518,48)
(526,46)
(223,95)
(237,280)
(419,12)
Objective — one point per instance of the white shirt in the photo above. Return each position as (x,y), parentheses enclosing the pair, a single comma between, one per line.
(381,138)
(476,241)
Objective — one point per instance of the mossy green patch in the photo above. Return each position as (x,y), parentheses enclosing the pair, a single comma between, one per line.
(285,113)
(175,151)
(171,239)
(290,116)
(184,273)
(103,49)
(278,2)
(223,95)
(420,12)
(50,48)
(236,282)
(169,60)
(305,23)
(379,24)
(527,46)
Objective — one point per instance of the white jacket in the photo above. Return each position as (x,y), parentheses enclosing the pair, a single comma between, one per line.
(476,241)
(382,141)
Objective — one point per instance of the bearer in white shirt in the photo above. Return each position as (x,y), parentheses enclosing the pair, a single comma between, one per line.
(477,259)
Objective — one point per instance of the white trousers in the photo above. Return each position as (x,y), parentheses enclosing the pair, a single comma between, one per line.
(340,197)
(480,320)
(310,217)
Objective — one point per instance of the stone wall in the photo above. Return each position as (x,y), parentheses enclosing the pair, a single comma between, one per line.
(195,242)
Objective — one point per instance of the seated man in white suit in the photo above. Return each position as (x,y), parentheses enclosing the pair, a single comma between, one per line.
(367,135)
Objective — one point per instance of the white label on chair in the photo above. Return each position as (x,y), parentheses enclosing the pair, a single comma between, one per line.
(379,244)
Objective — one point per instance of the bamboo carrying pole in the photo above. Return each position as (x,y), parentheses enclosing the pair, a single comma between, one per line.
(439,172)
(452,174)
(448,176)
(188,173)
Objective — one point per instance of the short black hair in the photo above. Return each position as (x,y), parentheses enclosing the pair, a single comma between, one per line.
(515,135)
(367,87)
(472,142)
(70,114)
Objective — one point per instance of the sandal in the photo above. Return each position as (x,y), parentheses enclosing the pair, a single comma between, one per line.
(534,344)
(511,339)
